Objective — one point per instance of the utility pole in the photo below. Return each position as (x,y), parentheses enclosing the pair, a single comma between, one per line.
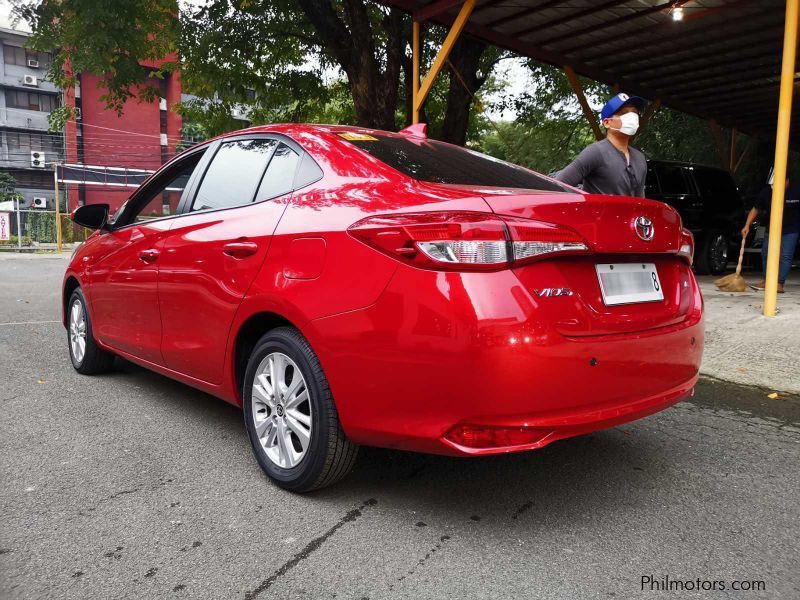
(19,227)
(58,208)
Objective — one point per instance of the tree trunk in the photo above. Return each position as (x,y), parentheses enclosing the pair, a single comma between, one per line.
(465,57)
(351,42)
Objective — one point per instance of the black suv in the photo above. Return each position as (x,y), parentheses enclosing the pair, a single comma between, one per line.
(709,204)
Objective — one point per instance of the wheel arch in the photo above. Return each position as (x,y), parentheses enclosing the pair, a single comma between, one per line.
(70,285)
(255,326)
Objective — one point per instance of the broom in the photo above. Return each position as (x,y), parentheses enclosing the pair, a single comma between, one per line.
(734,282)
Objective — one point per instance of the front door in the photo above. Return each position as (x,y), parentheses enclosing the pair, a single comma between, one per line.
(216,248)
(124,280)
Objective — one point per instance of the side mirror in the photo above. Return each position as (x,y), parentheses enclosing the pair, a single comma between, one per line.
(91,216)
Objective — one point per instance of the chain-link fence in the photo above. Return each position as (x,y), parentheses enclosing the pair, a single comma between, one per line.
(38,229)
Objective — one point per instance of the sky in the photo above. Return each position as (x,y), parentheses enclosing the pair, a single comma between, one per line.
(513,70)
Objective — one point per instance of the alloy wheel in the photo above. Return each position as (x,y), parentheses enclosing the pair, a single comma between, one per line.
(77,331)
(281,410)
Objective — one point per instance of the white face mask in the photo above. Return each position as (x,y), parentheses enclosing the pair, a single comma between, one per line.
(629,123)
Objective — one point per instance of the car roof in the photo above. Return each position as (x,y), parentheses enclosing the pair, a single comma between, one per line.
(681,163)
(295,128)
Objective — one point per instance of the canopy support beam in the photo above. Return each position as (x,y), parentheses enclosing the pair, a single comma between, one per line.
(781,156)
(441,57)
(587,110)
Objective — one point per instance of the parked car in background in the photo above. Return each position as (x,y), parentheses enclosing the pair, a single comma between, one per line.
(709,204)
(348,286)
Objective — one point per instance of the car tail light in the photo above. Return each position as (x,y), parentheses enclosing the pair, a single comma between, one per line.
(483,436)
(686,250)
(464,240)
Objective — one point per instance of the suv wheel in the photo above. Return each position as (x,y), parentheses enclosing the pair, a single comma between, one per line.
(713,256)
(290,415)
(87,357)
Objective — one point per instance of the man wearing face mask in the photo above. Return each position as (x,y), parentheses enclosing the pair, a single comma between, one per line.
(612,165)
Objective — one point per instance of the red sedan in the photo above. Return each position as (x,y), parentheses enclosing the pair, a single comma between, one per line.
(347,286)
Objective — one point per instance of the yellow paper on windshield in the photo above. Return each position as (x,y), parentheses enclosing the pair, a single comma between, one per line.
(358,137)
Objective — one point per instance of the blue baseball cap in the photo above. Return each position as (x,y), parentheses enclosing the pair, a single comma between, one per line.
(618,101)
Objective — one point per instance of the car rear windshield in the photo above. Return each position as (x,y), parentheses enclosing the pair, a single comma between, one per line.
(436,162)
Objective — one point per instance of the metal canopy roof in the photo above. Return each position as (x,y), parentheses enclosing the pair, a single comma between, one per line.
(720,62)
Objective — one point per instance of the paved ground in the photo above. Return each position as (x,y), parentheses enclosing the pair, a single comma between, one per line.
(133,486)
(745,347)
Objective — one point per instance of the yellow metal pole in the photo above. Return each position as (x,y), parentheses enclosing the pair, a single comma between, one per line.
(414,71)
(781,155)
(58,210)
(587,110)
(444,52)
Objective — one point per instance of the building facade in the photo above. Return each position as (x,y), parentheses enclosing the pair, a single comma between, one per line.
(27,149)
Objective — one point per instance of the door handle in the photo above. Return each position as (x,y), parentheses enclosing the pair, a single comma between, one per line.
(240,249)
(149,255)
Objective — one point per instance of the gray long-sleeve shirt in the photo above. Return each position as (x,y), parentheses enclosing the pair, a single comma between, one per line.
(602,169)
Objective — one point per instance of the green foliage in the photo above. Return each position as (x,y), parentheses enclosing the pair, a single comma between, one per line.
(108,39)
(8,187)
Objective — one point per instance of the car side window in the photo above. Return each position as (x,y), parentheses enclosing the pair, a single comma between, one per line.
(161,197)
(234,174)
(279,176)
(715,184)
(651,183)
(672,180)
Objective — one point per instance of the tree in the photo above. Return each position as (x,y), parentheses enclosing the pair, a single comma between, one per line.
(281,49)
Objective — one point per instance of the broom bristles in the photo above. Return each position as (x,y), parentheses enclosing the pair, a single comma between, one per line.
(731,283)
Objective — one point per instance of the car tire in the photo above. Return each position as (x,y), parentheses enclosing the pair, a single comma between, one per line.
(87,357)
(296,437)
(713,256)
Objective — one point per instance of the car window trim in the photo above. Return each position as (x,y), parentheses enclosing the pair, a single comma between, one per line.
(157,177)
(184,207)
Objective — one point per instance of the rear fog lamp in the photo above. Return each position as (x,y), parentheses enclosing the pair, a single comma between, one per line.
(483,436)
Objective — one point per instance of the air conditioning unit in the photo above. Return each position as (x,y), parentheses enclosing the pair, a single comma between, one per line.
(30,81)
(39,202)
(37,159)
(33,63)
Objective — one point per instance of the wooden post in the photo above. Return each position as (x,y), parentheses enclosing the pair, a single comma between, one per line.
(750,143)
(652,108)
(720,141)
(732,163)
(587,110)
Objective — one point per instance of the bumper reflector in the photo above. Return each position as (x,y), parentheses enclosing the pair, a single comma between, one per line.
(483,436)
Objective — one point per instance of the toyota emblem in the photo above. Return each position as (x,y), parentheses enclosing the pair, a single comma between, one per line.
(644,228)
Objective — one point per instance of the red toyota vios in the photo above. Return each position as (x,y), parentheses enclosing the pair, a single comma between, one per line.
(346,286)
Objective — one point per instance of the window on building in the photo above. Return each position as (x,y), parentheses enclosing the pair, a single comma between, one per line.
(14,55)
(31,101)
(234,174)
(20,143)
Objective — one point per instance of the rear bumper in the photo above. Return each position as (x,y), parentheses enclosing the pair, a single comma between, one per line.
(472,348)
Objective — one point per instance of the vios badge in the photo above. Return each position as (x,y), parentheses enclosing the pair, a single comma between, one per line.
(553,292)
(644,228)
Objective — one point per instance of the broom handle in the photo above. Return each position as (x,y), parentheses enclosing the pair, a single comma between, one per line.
(741,257)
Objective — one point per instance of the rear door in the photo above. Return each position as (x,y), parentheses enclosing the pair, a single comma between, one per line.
(216,247)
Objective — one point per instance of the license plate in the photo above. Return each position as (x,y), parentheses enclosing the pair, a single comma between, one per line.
(628,283)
